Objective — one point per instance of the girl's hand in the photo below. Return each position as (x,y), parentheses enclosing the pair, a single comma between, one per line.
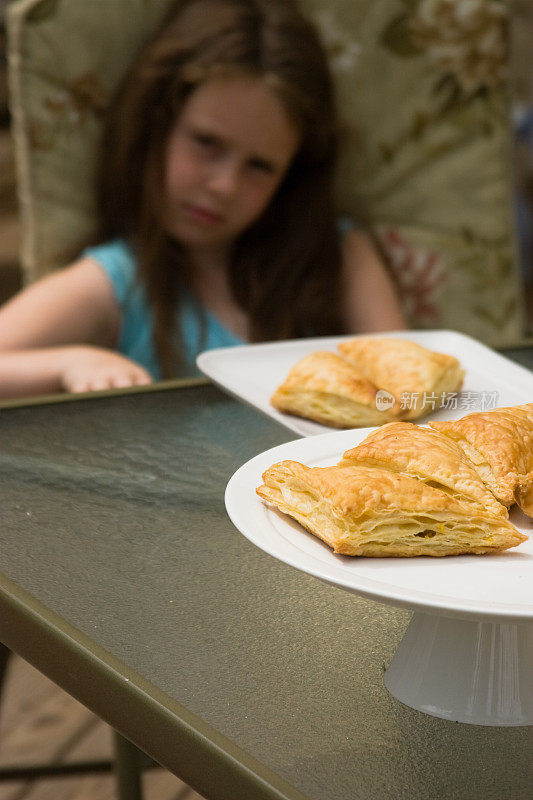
(90,369)
(42,330)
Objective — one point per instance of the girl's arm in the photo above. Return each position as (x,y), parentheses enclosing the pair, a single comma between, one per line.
(369,297)
(55,336)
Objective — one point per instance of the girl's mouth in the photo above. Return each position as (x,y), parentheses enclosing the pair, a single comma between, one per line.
(203,215)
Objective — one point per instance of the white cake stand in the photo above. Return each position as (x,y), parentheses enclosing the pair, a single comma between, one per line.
(467,654)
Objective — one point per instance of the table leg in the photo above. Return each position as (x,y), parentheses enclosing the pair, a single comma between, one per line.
(127,769)
(5,652)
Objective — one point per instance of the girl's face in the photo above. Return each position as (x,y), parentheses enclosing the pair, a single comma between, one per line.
(226,155)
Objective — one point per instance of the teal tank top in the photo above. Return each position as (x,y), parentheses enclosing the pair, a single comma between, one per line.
(136,333)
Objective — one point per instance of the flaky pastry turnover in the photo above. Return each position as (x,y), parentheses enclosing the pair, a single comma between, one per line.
(365,511)
(326,388)
(407,370)
(430,457)
(499,443)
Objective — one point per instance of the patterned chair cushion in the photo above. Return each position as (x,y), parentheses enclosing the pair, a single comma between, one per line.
(424,97)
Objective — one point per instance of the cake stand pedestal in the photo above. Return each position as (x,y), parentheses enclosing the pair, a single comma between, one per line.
(465,670)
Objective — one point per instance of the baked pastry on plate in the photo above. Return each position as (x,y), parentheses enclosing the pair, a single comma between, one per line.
(366,511)
(499,443)
(417,377)
(326,388)
(427,455)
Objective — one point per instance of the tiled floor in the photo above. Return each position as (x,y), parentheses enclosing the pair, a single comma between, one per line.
(41,724)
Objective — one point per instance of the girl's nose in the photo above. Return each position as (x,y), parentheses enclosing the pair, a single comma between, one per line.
(224,178)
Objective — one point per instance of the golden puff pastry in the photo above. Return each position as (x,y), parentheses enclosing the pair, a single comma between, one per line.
(429,456)
(407,370)
(365,511)
(500,445)
(326,388)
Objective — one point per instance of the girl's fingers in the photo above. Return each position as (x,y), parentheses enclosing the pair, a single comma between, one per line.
(121,381)
(143,379)
(116,380)
(131,379)
(79,386)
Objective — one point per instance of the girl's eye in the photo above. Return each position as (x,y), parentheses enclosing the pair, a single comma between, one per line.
(204,140)
(261,166)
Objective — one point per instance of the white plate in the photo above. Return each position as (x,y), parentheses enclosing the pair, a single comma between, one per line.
(253,372)
(499,587)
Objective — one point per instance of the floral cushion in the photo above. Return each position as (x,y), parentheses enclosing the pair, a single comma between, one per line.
(423,92)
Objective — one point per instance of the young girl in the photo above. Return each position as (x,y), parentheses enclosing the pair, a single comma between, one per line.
(217,223)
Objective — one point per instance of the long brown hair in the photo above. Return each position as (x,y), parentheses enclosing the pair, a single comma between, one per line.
(285,273)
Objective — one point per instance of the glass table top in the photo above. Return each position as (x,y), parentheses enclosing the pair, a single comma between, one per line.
(119,558)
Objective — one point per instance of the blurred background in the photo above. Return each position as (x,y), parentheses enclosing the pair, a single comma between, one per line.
(522,64)
(10,276)
(522,156)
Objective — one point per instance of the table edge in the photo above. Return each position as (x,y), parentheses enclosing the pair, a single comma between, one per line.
(72,397)
(132,705)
